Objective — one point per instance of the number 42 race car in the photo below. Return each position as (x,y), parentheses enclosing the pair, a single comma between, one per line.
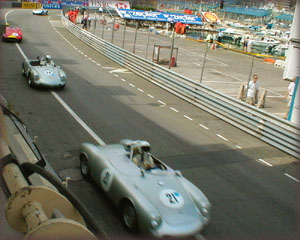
(151,196)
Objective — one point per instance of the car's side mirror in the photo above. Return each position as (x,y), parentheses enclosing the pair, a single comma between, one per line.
(178,173)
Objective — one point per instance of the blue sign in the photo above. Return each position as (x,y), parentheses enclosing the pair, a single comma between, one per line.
(159,16)
(51,6)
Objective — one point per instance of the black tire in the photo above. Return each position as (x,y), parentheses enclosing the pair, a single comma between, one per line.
(23,70)
(129,216)
(29,81)
(84,168)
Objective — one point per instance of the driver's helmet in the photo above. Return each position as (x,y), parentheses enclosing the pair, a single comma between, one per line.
(6,24)
(48,58)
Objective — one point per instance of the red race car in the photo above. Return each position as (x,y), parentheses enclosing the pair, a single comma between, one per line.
(12,34)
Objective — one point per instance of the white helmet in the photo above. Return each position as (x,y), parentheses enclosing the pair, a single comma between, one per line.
(48,58)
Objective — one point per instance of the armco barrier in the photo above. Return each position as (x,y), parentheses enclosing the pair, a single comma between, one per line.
(276,131)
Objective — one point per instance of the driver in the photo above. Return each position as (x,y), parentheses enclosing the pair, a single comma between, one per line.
(142,158)
(48,59)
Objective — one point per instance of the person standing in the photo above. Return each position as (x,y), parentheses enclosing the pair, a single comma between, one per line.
(252,90)
(289,96)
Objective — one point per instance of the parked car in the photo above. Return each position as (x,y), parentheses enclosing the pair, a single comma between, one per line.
(12,34)
(43,72)
(150,195)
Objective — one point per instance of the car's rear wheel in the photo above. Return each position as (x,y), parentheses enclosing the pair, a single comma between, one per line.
(84,167)
(129,216)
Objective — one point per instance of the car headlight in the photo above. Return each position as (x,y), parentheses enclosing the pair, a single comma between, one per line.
(205,209)
(155,221)
(36,77)
(62,75)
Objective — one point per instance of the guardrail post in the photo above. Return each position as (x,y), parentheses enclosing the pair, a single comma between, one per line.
(204,60)
(172,47)
(148,42)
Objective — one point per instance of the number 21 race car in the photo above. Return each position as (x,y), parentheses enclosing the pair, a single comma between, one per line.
(151,196)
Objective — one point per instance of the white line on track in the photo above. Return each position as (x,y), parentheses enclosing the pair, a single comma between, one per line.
(140,90)
(7,14)
(161,102)
(187,117)
(90,59)
(174,109)
(291,177)
(78,119)
(122,79)
(220,136)
(116,75)
(201,125)
(93,61)
(150,96)
(85,55)
(98,64)
(74,115)
(239,147)
(263,161)
(132,85)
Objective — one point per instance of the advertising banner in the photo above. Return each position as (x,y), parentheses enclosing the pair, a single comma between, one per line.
(159,16)
(51,6)
(210,17)
(109,4)
(30,5)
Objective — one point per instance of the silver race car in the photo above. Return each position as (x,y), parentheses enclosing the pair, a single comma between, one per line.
(43,72)
(40,11)
(151,196)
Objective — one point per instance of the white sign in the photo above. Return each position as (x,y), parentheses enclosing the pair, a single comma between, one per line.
(109,4)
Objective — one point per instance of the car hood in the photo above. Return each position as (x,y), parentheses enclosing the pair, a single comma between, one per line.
(47,72)
(167,194)
(13,31)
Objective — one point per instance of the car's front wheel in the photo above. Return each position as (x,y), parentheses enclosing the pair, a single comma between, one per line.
(23,70)
(129,216)
(29,81)
(84,167)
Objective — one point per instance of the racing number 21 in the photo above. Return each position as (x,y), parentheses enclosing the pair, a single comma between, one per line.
(172,198)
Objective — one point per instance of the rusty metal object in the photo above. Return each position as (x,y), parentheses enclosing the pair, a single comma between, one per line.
(30,208)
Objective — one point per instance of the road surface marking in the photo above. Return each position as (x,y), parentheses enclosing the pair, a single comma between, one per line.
(203,126)
(85,55)
(263,161)
(78,119)
(187,117)
(116,75)
(239,147)
(295,179)
(98,64)
(161,102)
(123,80)
(131,85)
(220,136)
(7,14)
(150,95)
(140,90)
(174,109)
(21,51)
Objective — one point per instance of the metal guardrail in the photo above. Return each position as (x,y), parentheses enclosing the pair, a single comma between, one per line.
(276,131)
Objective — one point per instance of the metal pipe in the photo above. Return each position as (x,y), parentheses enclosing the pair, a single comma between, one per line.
(124,33)
(148,42)
(204,61)
(172,47)
(133,51)
(113,30)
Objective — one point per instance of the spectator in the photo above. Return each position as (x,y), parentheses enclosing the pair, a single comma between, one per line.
(289,95)
(252,90)
(89,21)
(84,22)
